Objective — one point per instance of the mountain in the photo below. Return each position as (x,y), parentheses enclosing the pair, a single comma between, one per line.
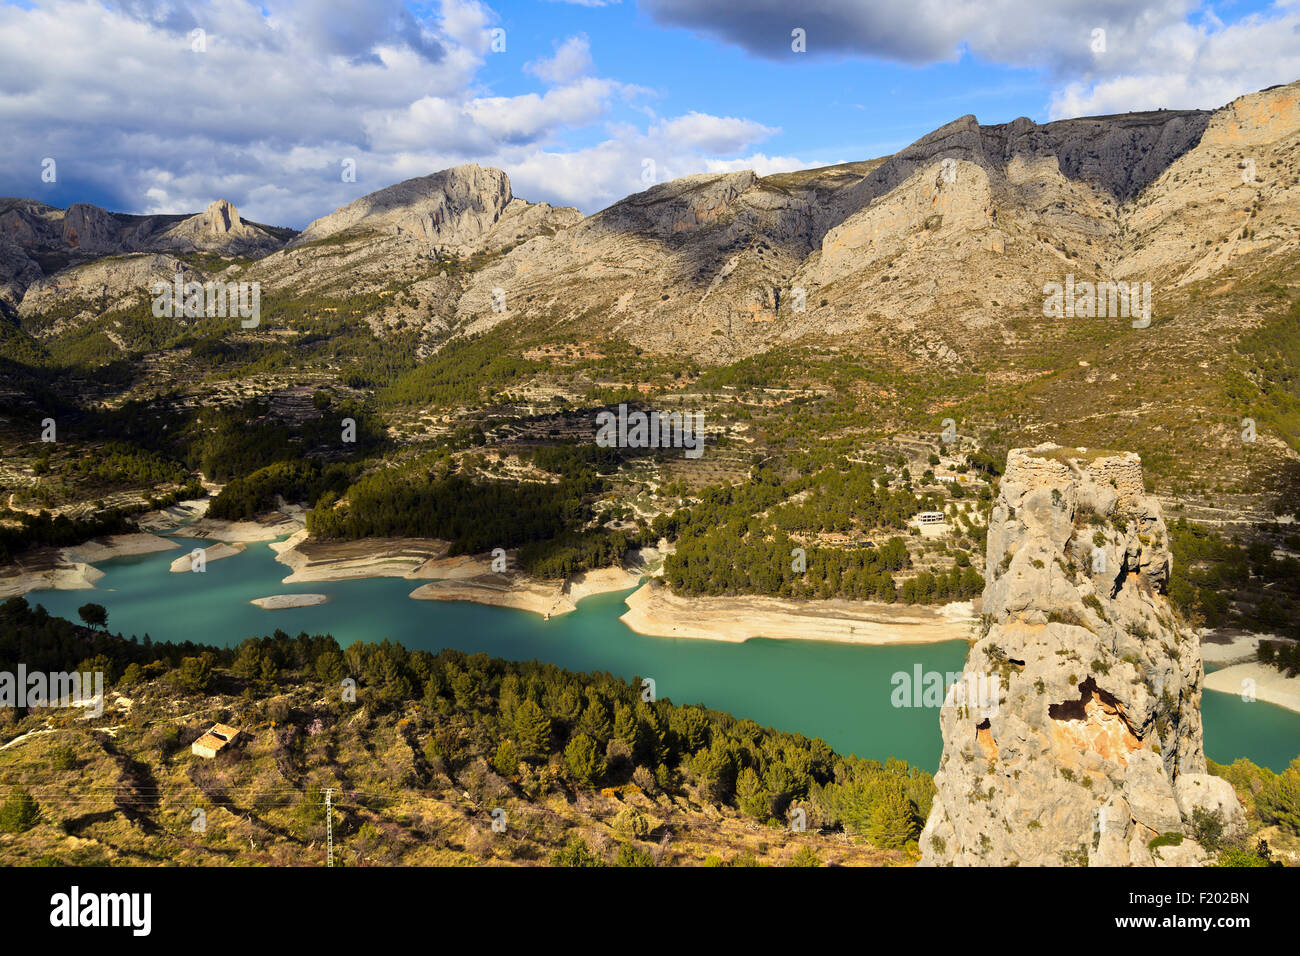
(459,211)
(907,244)
(37,241)
(219,229)
(928,270)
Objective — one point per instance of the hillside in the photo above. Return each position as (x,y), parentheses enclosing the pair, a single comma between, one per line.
(418,758)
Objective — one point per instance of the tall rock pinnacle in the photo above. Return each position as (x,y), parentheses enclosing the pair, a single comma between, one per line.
(1086,743)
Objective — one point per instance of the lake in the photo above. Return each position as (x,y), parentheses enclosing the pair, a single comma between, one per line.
(839,692)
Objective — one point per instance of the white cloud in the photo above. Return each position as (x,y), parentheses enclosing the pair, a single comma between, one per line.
(285,91)
(717,134)
(760,164)
(572,59)
(1189,67)
(1041,33)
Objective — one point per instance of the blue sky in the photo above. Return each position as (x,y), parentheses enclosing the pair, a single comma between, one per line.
(143,114)
(829,108)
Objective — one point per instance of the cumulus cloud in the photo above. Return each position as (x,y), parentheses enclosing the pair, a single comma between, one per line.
(717,134)
(1188,67)
(572,59)
(630,161)
(1101,55)
(268,103)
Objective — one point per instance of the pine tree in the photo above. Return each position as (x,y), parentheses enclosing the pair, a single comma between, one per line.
(892,823)
(752,797)
(585,761)
(594,720)
(506,760)
(625,725)
(532,731)
(652,737)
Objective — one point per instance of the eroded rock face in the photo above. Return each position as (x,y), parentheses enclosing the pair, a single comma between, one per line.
(98,286)
(1090,745)
(219,229)
(457,211)
(47,251)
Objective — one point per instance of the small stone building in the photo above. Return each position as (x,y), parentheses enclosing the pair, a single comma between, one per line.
(216,739)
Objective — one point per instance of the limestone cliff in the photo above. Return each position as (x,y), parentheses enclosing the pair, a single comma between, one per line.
(1087,743)
(49,251)
(460,211)
(219,229)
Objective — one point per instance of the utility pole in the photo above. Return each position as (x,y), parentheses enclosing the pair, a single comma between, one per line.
(329,824)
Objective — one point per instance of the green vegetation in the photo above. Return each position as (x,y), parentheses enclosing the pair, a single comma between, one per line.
(1285,656)
(459,372)
(434,502)
(1221,582)
(725,547)
(481,723)
(246,496)
(18,812)
(1271,798)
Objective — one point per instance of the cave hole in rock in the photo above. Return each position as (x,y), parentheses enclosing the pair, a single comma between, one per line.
(1095,722)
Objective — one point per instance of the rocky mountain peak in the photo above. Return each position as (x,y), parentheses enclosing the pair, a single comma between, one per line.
(90,229)
(218,229)
(221,217)
(1083,743)
(447,208)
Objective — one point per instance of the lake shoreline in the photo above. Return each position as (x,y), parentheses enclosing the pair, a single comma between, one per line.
(656,611)
(1269,684)
(653,610)
(73,568)
(822,668)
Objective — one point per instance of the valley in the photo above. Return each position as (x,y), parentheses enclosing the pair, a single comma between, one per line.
(416,402)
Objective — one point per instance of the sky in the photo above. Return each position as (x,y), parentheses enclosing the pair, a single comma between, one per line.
(291,108)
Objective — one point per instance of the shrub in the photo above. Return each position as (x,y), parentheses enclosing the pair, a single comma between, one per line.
(506,759)
(1207,828)
(576,853)
(1166,839)
(804,857)
(630,824)
(63,758)
(19,812)
(628,855)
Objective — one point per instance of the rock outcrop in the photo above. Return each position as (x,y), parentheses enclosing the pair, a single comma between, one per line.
(454,211)
(83,292)
(39,241)
(219,229)
(1084,745)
